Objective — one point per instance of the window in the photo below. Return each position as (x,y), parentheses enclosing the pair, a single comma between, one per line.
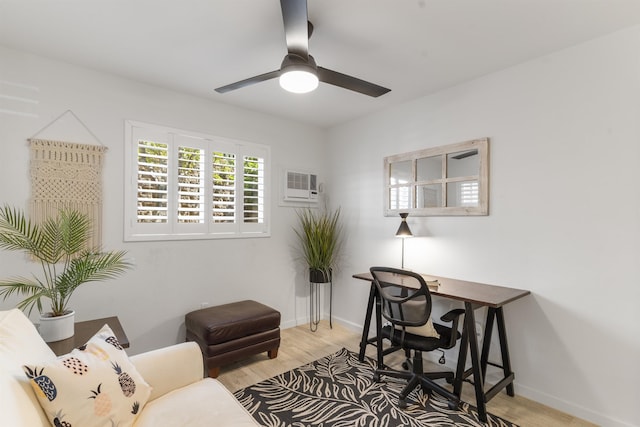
(468,194)
(447,180)
(182,185)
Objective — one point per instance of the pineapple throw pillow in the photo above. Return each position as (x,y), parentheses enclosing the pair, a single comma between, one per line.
(94,385)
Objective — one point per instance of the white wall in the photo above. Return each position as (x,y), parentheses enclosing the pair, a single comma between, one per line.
(170,278)
(564,216)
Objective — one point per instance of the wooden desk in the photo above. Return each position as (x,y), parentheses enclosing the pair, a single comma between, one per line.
(85,330)
(473,295)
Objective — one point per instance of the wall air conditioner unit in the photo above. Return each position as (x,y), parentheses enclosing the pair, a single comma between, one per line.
(300,186)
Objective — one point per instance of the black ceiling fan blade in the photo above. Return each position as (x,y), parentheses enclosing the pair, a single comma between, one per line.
(296,27)
(248,82)
(352,83)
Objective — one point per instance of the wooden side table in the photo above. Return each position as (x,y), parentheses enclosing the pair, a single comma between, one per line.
(85,330)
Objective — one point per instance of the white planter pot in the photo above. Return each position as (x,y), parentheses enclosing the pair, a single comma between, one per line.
(57,328)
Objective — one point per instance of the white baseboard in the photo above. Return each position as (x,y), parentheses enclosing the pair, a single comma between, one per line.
(354,327)
(569,407)
(289,324)
(325,317)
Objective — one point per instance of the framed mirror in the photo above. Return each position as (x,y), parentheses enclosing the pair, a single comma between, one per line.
(446,180)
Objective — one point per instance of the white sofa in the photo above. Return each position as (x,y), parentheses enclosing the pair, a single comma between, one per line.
(180,396)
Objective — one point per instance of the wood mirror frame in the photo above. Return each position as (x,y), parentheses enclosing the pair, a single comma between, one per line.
(447,180)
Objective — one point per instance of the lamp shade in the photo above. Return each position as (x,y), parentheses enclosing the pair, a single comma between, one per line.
(404,230)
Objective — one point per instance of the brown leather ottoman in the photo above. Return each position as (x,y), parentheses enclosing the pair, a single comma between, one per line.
(229,332)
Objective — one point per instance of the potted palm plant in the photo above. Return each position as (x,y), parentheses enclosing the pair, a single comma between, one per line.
(319,234)
(59,245)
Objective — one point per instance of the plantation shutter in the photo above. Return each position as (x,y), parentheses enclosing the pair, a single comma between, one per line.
(153,180)
(254,190)
(253,211)
(190,186)
(224,187)
(150,203)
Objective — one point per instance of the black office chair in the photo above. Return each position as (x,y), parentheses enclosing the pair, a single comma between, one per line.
(406,304)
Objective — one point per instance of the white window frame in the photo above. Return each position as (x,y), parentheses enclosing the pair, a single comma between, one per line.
(172,229)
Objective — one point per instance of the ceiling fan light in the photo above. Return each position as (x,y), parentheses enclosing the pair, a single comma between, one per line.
(298,81)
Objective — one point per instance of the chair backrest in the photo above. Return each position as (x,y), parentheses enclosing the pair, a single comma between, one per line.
(405,296)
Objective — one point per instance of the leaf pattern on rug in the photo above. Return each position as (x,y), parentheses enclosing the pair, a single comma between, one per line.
(338,391)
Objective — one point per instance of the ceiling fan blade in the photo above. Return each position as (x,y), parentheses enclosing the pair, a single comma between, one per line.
(249,81)
(296,27)
(352,83)
(465,154)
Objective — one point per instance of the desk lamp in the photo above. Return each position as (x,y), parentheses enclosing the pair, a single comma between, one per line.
(403,232)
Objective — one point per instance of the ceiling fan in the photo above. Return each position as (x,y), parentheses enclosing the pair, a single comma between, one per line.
(299,72)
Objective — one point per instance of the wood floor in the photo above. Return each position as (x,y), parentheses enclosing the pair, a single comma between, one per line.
(300,346)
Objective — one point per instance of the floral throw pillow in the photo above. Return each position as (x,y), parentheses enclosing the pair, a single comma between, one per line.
(94,385)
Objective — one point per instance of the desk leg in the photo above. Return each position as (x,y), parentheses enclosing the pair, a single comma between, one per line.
(478,382)
(486,340)
(379,350)
(367,323)
(462,361)
(497,315)
(504,349)
(479,362)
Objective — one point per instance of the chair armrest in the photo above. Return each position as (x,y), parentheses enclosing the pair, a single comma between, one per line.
(170,368)
(453,316)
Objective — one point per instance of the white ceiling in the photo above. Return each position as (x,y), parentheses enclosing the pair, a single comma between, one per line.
(414,47)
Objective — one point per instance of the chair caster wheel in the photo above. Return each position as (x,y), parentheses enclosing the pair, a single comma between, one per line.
(376,378)
(402,404)
(405,366)
(449,380)
(453,405)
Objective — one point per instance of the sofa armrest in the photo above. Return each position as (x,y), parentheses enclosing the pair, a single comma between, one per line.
(170,368)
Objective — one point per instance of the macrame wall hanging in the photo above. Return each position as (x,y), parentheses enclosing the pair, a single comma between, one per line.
(67,175)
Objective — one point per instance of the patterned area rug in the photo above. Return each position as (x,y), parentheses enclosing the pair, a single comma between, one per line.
(338,391)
